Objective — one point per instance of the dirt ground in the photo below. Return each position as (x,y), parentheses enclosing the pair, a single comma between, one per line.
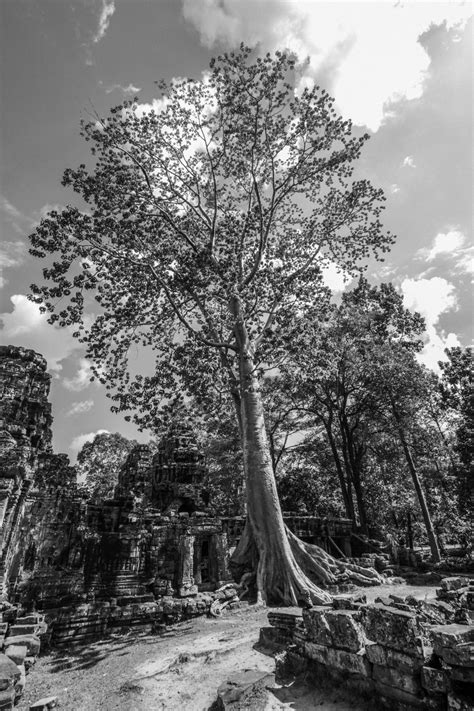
(178,670)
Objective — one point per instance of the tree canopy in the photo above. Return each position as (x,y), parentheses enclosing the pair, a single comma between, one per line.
(207,226)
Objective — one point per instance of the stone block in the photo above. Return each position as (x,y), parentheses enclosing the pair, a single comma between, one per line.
(454,644)
(48,702)
(464,674)
(387,695)
(7,699)
(393,628)
(334,628)
(348,602)
(435,681)
(400,679)
(241,688)
(338,659)
(9,673)
(470,599)
(460,702)
(317,628)
(32,643)
(345,630)
(17,653)
(385,656)
(453,583)
(23,629)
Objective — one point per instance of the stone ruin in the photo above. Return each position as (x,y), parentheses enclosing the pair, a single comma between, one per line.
(397,653)
(72,569)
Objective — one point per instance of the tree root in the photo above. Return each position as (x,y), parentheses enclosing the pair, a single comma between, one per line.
(290,575)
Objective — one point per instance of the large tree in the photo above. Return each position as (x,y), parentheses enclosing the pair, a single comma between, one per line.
(207,223)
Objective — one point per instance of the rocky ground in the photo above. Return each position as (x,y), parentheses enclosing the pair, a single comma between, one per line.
(180,669)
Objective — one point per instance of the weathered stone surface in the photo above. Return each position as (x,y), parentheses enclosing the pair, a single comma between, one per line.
(464,674)
(395,677)
(393,628)
(246,689)
(385,656)
(31,642)
(7,700)
(9,673)
(349,602)
(454,583)
(385,693)
(345,630)
(44,704)
(338,658)
(337,628)
(17,653)
(434,681)
(454,644)
(460,702)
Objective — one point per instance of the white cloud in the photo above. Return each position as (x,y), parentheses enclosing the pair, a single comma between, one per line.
(81,379)
(444,242)
(450,245)
(409,162)
(334,278)
(79,408)
(12,254)
(19,221)
(130,89)
(108,9)
(26,326)
(431,298)
(394,189)
(79,441)
(369,51)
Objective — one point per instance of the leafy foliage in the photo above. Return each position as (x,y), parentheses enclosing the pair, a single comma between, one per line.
(99,463)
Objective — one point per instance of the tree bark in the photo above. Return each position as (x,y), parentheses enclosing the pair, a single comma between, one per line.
(433,541)
(286,568)
(346,489)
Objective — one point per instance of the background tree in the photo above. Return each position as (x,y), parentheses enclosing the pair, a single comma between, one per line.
(457,400)
(206,228)
(99,463)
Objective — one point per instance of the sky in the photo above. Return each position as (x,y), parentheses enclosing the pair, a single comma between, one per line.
(401,70)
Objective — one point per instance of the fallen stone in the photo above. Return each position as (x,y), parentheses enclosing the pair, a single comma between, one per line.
(32,643)
(339,659)
(454,583)
(393,628)
(345,630)
(23,629)
(9,673)
(460,702)
(17,653)
(435,681)
(349,602)
(7,700)
(389,693)
(464,674)
(387,657)
(395,677)
(454,644)
(246,689)
(49,702)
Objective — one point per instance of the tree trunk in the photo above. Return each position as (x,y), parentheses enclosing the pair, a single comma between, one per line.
(433,541)
(346,489)
(287,569)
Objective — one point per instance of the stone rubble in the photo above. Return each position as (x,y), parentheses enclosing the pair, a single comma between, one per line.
(380,651)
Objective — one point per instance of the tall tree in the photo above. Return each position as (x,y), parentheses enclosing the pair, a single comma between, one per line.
(207,225)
